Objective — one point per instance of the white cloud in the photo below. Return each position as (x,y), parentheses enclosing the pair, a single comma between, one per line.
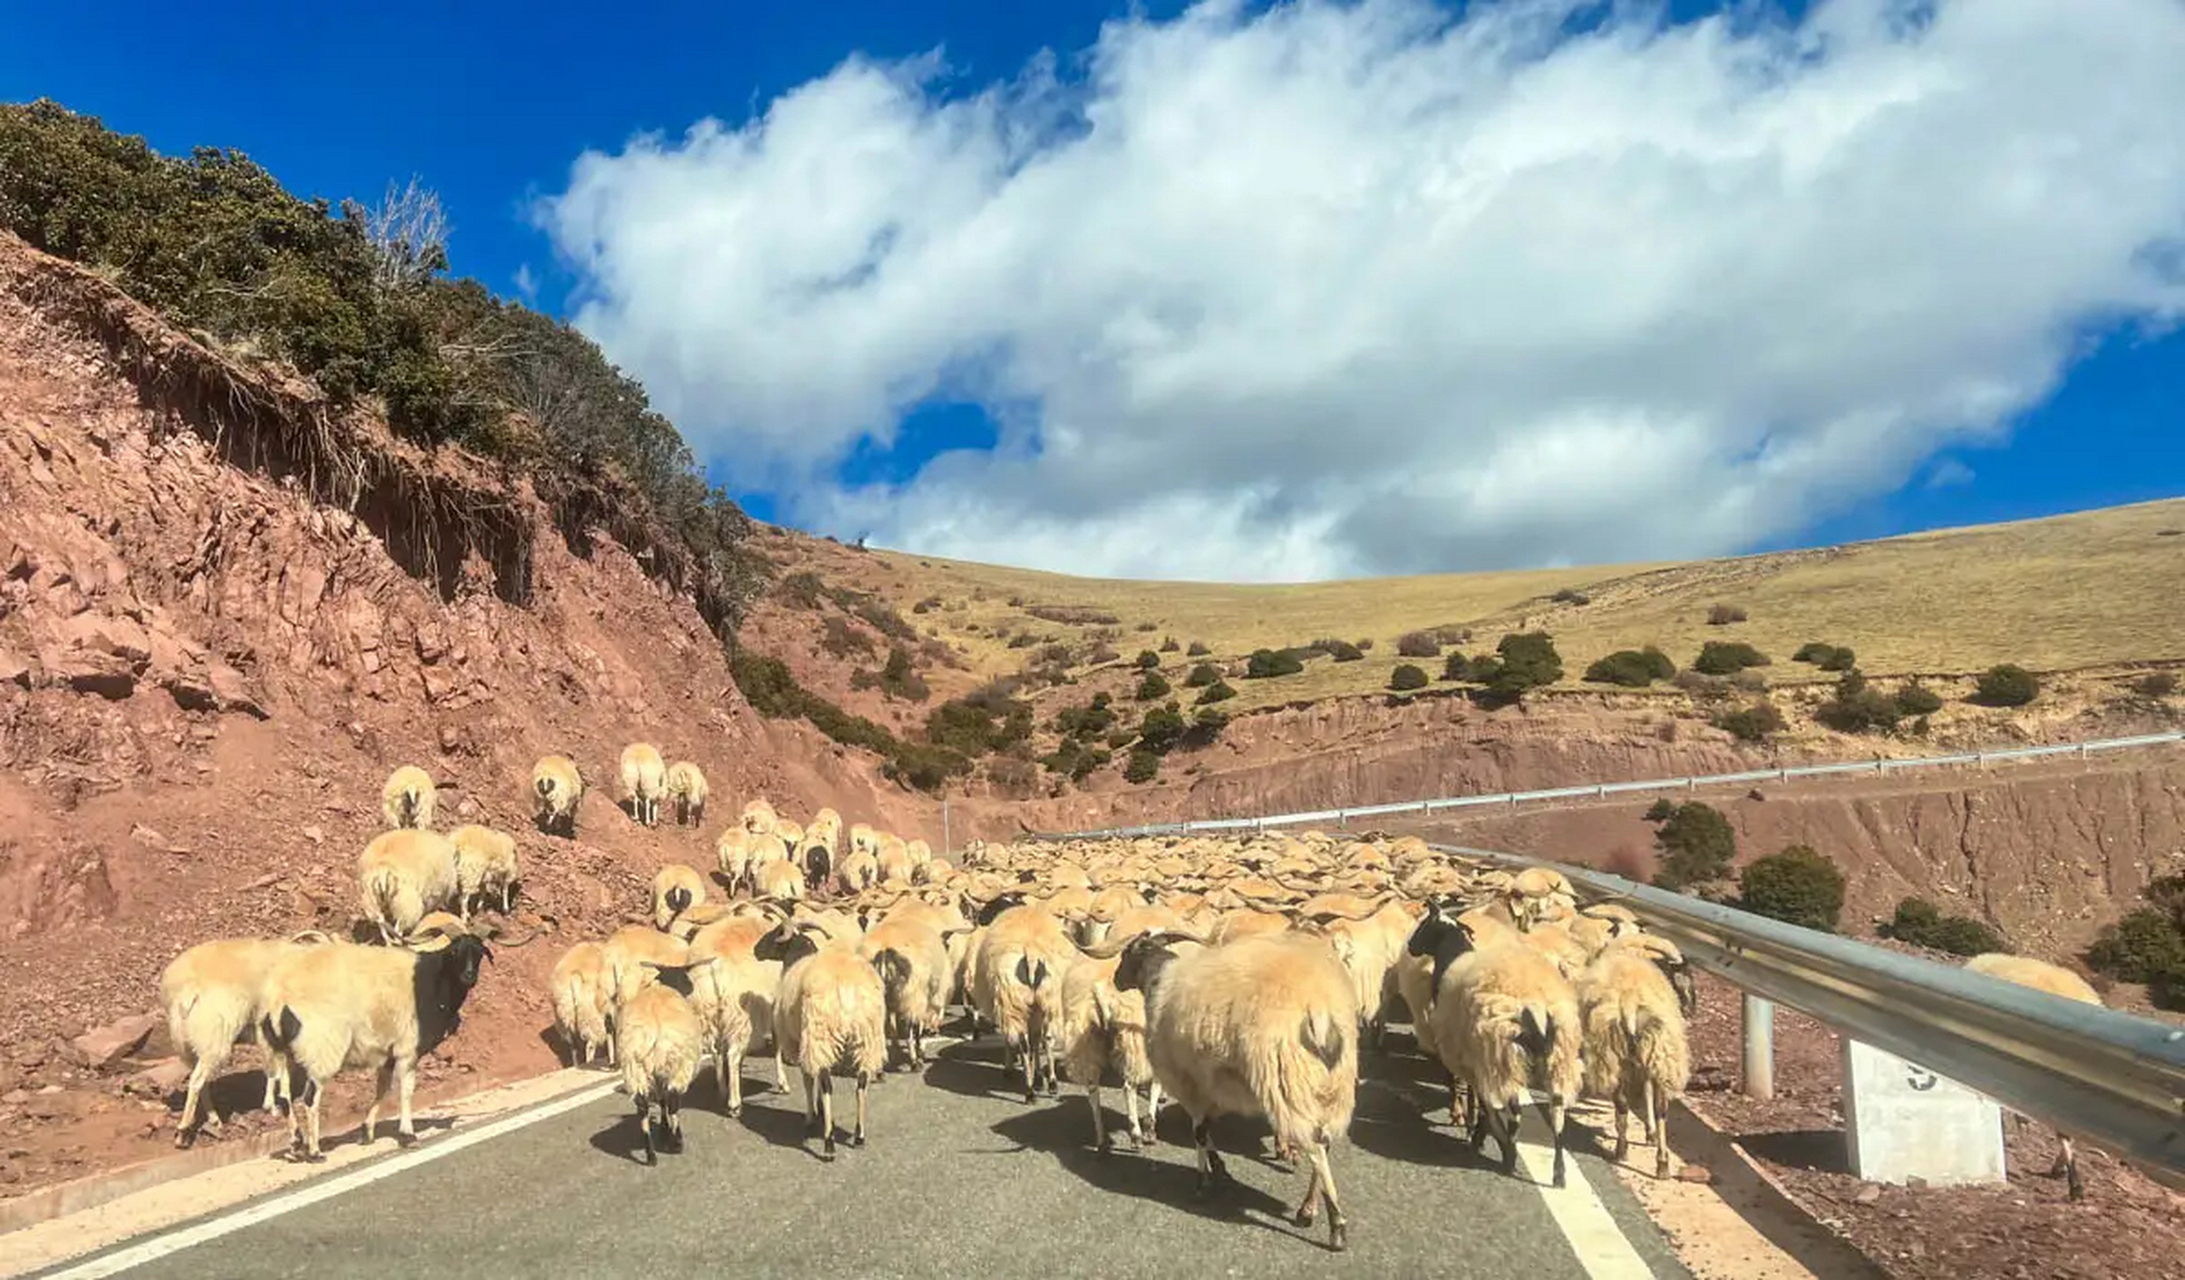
(1948,473)
(1339,288)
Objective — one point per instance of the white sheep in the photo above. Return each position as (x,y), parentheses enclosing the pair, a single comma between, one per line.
(1504,1019)
(675,890)
(758,817)
(686,788)
(732,855)
(214,994)
(1103,1029)
(1635,1049)
(485,869)
(342,1005)
(2056,981)
(734,997)
(581,1012)
(911,956)
(402,875)
(660,1042)
(830,1017)
(1266,1026)
(556,789)
(407,798)
(644,779)
(778,878)
(1017,963)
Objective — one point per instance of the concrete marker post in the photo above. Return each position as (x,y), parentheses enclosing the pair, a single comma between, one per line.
(1759,1025)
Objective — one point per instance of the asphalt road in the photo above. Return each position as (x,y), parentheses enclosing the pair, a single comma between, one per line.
(958,1178)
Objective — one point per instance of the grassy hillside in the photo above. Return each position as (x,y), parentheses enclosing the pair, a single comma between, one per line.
(2089,590)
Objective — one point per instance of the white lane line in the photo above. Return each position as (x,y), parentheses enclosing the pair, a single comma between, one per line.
(1602,1248)
(311,1193)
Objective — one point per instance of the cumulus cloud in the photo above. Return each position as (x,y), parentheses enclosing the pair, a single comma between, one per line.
(1336,288)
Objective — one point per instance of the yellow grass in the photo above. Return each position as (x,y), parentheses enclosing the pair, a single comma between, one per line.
(2092,589)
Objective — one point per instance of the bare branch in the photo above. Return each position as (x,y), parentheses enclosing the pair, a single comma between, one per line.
(409,228)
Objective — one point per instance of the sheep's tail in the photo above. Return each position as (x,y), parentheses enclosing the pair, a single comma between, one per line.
(544,785)
(1536,1034)
(382,885)
(280,1029)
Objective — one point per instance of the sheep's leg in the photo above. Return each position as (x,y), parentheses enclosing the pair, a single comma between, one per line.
(1308,1209)
(857,1135)
(1031,1067)
(382,1081)
(310,1121)
(827,1113)
(1324,1179)
(1054,1073)
(1212,1171)
(1657,1128)
(1456,1097)
(781,1072)
(2067,1159)
(1558,1114)
(1153,1114)
(1623,1124)
(406,1134)
(671,1112)
(811,1102)
(200,1075)
(1100,1129)
(730,1066)
(644,1124)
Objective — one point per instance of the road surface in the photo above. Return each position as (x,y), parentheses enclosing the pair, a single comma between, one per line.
(960,1178)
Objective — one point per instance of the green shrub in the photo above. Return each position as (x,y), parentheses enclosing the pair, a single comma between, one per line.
(1661,810)
(1813,651)
(1267,663)
(1169,645)
(1727,657)
(1197,650)
(1525,660)
(1154,685)
(2167,893)
(1143,766)
(1858,707)
(1571,595)
(1722,615)
(1087,722)
(1161,729)
(1457,667)
(1407,677)
(2155,684)
(1219,691)
(1148,660)
(2145,946)
(924,766)
(898,679)
(1922,924)
(1340,650)
(979,722)
(1756,723)
(1075,760)
(1417,644)
(1798,886)
(1632,668)
(1202,675)
(1916,699)
(1697,846)
(1841,660)
(2006,685)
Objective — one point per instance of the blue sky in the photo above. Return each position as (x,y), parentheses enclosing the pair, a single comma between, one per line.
(492,104)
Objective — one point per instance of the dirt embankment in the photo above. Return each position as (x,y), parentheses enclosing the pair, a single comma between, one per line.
(213,648)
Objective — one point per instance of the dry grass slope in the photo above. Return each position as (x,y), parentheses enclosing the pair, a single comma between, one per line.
(2095,589)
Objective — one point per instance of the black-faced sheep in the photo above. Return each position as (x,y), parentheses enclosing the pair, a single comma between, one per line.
(556,789)
(403,874)
(407,798)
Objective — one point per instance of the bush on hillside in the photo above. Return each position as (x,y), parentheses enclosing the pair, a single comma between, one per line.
(897,679)
(1756,723)
(1154,685)
(2145,946)
(1219,691)
(1858,707)
(1417,644)
(1340,650)
(1202,675)
(1915,699)
(1798,886)
(1722,615)
(1148,660)
(2006,685)
(1161,729)
(1266,664)
(1697,846)
(1143,766)
(1169,645)
(1526,660)
(1922,924)
(1407,677)
(1727,657)
(1571,595)
(1632,668)
(1661,810)
(1197,650)
(1075,760)
(2155,684)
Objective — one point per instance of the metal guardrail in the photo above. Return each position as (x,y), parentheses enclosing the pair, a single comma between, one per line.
(1880,767)
(2112,1078)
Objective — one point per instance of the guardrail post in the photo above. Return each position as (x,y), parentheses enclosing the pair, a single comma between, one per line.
(1759,1023)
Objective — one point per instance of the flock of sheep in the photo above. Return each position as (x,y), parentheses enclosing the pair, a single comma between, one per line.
(1233,976)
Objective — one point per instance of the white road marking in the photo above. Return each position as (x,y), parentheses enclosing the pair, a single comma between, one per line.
(1602,1248)
(311,1193)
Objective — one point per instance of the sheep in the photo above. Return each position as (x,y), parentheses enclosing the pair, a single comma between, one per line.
(734,997)
(732,854)
(643,780)
(864,839)
(791,833)
(861,871)
(831,1016)
(1632,1008)
(2056,981)
(1101,1028)
(778,878)
(579,987)
(485,868)
(758,817)
(918,851)
(888,860)
(660,1041)
(402,875)
(911,957)
(343,1005)
(1016,983)
(1503,1018)
(817,859)
(407,798)
(556,787)
(675,890)
(213,994)
(1265,1025)
(825,828)
(1367,937)
(626,952)
(686,787)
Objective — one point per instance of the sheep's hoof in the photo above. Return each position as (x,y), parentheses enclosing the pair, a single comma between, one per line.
(1338,1234)
(1305,1215)
(185,1139)
(1142,1140)
(1661,1169)
(405,1139)
(1031,1095)
(857,1139)
(1106,1147)
(1054,1089)
(827,1152)
(312,1157)
(735,1111)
